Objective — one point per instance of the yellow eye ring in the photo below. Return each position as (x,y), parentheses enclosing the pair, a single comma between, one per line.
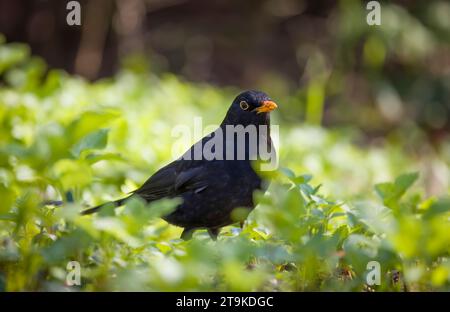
(244,105)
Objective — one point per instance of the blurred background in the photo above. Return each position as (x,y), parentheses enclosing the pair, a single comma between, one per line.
(373,77)
(87,113)
(319,59)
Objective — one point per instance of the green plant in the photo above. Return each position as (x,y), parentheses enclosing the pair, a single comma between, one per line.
(64,138)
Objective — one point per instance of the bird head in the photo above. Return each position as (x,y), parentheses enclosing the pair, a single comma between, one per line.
(250,107)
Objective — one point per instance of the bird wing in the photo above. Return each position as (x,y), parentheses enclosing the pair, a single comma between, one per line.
(172,180)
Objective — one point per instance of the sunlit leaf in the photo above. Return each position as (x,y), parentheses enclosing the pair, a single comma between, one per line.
(94,140)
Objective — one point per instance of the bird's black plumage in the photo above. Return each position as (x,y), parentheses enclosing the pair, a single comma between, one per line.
(211,189)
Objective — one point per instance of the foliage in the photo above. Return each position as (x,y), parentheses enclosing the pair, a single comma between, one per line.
(84,143)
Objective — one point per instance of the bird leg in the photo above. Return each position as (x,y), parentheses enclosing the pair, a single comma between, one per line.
(213,233)
(187,234)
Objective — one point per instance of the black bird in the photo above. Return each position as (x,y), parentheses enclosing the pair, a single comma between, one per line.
(211,188)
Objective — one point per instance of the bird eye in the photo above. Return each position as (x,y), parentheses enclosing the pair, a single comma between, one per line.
(244,105)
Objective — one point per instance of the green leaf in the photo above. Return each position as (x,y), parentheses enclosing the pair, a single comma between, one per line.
(440,207)
(287,172)
(392,192)
(94,140)
(405,181)
(304,178)
(91,121)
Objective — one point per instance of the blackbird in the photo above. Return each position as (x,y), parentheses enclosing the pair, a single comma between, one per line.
(212,187)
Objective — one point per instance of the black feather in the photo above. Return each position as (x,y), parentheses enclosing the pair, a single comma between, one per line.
(210,189)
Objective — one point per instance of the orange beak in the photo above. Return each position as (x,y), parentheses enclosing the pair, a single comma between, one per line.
(266,106)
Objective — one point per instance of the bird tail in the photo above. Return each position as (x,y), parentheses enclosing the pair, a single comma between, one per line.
(95,209)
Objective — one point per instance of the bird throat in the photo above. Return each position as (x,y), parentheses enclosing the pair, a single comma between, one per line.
(246,140)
